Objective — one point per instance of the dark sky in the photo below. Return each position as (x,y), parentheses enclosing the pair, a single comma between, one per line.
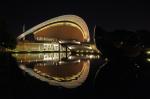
(109,15)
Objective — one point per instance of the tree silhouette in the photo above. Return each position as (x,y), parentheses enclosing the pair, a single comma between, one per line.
(120,42)
(145,37)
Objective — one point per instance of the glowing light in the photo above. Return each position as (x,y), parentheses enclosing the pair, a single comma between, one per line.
(77,50)
(87,51)
(91,56)
(81,51)
(148,52)
(92,51)
(85,35)
(65,20)
(148,59)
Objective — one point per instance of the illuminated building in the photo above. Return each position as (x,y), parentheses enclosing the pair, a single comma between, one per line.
(69,75)
(63,33)
(53,69)
(26,46)
(57,51)
(62,27)
(58,69)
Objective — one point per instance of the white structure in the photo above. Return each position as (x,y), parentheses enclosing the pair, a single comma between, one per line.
(62,27)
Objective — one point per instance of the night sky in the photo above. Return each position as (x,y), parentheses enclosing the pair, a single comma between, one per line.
(109,15)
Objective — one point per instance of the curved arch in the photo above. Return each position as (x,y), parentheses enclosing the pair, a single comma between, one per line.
(62,27)
(72,81)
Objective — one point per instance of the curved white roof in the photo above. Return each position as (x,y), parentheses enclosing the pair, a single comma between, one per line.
(79,22)
(67,84)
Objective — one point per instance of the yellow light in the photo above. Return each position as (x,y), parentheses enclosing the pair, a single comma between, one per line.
(92,51)
(148,59)
(85,35)
(81,51)
(148,52)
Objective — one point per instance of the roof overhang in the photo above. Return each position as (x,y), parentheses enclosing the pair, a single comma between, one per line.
(63,27)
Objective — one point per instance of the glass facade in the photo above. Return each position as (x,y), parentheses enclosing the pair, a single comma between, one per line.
(39,47)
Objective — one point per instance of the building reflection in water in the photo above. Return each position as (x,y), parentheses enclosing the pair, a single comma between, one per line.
(57,51)
(58,69)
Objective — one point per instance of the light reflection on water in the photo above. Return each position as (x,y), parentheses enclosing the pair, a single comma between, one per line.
(57,69)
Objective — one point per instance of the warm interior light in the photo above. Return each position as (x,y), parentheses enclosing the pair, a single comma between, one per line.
(64,27)
(62,30)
